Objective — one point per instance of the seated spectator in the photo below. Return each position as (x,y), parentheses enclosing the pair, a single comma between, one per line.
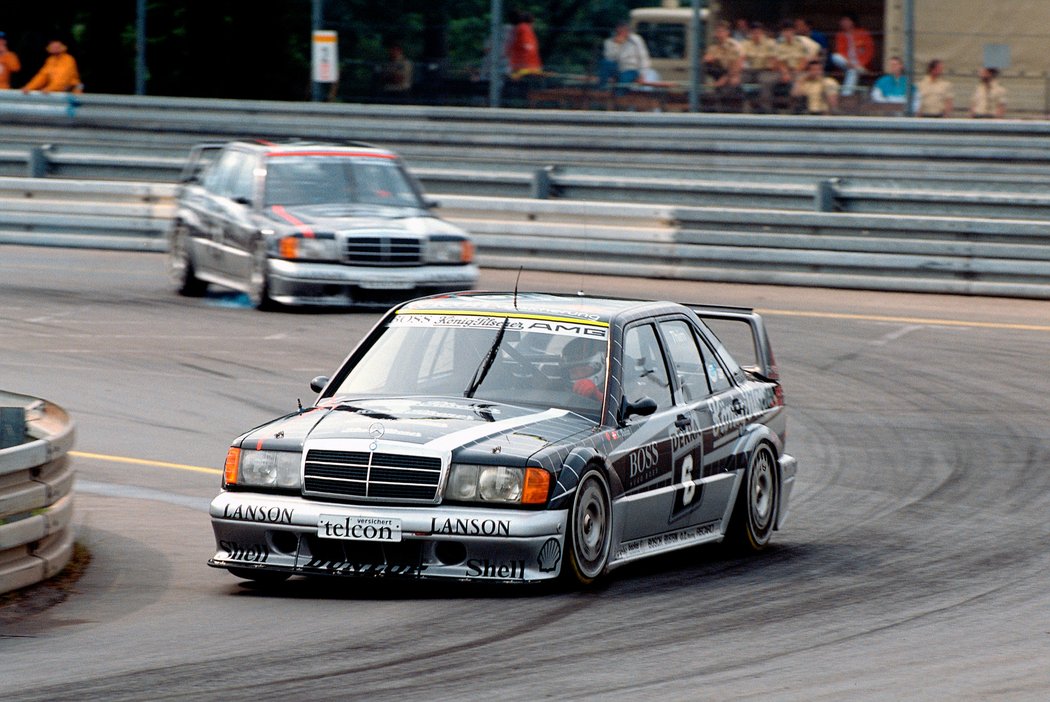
(9,63)
(893,85)
(803,29)
(854,51)
(761,65)
(795,50)
(625,57)
(58,74)
(989,97)
(821,93)
(935,97)
(724,59)
(523,48)
(396,73)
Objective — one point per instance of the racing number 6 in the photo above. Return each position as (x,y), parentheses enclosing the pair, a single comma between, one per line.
(688,486)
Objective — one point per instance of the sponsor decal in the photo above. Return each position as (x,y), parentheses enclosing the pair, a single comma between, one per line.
(250,553)
(484,568)
(660,542)
(550,555)
(518,322)
(375,569)
(753,402)
(258,513)
(643,466)
(331,526)
(470,527)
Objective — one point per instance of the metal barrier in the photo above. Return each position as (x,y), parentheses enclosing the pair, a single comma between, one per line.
(1009,257)
(36,491)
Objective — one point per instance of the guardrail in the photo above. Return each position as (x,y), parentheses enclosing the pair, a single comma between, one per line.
(36,490)
(1006,257)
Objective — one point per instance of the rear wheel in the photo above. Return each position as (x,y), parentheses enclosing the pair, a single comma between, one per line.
(181,270)
(590,529)
(754,515)
(259,280)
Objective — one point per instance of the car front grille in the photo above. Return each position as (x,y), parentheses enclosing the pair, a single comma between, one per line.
(372,476)
(382,251)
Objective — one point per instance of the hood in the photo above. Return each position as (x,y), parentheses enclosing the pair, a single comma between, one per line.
(473,430)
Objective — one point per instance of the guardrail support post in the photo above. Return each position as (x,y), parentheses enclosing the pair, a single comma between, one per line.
(38,164)
(542,185)
(824,198)
(12,426)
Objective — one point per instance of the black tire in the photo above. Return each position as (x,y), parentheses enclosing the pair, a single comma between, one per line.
(181,269)
(265,577)
(589,533)
(755,513)
(259,279)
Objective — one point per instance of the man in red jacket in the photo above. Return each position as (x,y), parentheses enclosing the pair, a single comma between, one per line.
(854,51)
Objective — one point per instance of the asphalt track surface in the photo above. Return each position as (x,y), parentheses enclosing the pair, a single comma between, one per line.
(915,563)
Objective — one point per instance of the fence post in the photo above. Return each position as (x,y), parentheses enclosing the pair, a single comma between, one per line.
(542,185)
(824,197)
(38,165)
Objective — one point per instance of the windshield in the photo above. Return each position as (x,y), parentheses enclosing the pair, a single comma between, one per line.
(520,361)
(326,180)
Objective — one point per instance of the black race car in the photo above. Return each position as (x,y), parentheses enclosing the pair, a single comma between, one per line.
(515,437)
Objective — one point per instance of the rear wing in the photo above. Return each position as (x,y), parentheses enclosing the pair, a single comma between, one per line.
(749,345)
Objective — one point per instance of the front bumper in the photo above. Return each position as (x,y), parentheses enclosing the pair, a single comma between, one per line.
(279,533)
(298,282)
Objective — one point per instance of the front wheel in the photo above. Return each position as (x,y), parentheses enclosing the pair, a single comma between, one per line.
(590,529)
(259,280)
(181,269)
(754,515)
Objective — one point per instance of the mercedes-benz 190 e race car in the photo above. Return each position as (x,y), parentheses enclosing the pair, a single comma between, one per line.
(514,437)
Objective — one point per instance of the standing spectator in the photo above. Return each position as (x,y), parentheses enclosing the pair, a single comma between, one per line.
(935,93)
(625,57)
(989,97)
(821,92)
(724,59)
(59,73)
(761,64)
(893,85)
(795,50)
(396,73)
(854,51)
(803,29)
(8,63)
(523,50)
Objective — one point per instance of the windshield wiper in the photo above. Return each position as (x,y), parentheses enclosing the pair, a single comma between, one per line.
(486,362)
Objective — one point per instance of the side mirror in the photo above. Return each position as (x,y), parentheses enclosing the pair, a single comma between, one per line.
(318,383)
(643,407)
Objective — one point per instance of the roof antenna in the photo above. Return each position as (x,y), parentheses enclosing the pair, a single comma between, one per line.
(516,281)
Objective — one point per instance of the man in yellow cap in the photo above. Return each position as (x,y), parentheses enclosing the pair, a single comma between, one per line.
(59,73)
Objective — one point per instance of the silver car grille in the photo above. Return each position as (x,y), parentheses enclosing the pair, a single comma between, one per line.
(382,251)
(372,476)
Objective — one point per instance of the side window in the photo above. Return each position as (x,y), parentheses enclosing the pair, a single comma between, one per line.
(686,359)
(644,371)
(216,181)
(716,372)
(242,177)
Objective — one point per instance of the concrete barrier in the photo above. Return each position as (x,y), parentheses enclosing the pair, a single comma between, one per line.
(36,492)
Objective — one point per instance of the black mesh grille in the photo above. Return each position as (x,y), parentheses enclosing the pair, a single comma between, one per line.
(376,476)
(382,251)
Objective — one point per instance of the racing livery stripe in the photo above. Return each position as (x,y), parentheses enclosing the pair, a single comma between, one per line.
(287,216)
(347,154)
(501,315)
(473,434)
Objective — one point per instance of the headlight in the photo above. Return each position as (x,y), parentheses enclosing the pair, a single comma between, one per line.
(449,251)
(473,483)
(266,469)
(297,246)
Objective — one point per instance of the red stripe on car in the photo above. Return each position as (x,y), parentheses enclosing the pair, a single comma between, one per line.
(287,216)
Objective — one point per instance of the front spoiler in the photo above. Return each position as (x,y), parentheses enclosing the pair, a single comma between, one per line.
(279,533)
(297,282)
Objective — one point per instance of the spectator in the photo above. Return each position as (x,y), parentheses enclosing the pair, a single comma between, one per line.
(854,51)
(724,59)
(761,65)
(891,86)
(821,93)
(794,51)
(935,93)
(396,74)
(523,50)
(803,29)
(59,73)
(625,57)
(741,28)
(989,97)
(9,63)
